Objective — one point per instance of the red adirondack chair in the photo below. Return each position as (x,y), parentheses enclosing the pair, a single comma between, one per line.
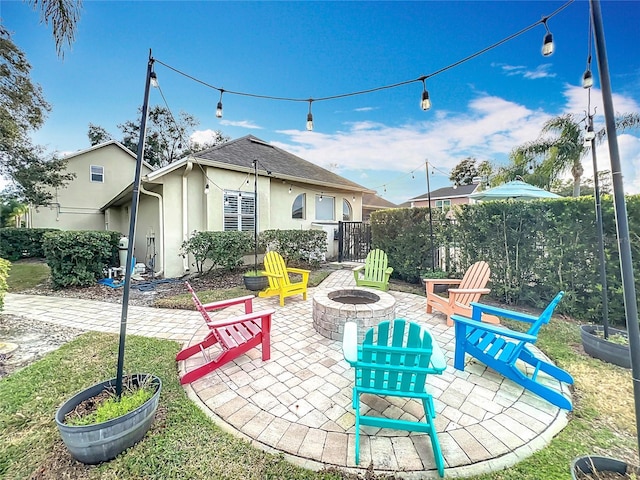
(234,336)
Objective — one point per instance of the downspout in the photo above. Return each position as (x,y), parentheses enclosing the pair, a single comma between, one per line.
(160,227)
(185,203)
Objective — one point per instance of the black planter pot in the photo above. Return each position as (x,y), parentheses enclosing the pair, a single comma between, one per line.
(257,283)
(104,441)
(592,464)
(598,347)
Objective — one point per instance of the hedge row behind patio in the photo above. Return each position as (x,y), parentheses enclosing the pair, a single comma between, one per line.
(534,249)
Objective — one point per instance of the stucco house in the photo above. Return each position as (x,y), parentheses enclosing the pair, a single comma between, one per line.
(444,198)
(214,190)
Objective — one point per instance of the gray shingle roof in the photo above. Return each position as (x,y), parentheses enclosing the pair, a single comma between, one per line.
(282,164)
(374,201)
(448,192)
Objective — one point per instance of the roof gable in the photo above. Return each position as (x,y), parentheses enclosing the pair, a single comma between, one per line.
(99,146)
(448,192)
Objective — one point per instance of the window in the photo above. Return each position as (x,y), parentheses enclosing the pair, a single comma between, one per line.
(239,210)
(346,211)
(97,173)
(298,207)
(443,204)
(325,209)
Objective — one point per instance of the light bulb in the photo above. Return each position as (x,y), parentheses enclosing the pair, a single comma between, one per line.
(289,189)
(206,189)
(587,79)
(425,103)
(309,121)
(547,45)
(219,110)
(154,80)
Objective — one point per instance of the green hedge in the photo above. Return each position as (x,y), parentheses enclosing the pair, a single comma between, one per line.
(534,249)
(297,247)
(5,266)
(404,234)
(79,258)
(221,249)
(17,243)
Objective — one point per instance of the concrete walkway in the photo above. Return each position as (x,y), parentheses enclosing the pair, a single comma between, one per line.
(299,402)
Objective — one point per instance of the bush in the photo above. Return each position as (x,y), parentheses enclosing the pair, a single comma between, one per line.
(79,258)
(305,247)
(5,266)
(17,243)
(222,249)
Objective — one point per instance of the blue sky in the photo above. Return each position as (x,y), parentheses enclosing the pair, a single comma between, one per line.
(482,108)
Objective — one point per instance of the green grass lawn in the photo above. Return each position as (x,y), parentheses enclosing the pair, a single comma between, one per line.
(25,275)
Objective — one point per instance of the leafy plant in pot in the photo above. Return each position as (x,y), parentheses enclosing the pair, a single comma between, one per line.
(104,438)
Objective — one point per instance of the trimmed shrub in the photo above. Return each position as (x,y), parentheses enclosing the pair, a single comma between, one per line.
(297,247)
(222,249)
(79,258)
(17,243)
(5,266)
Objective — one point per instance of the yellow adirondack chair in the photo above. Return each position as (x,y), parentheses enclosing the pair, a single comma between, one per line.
(279,281)
(376,271)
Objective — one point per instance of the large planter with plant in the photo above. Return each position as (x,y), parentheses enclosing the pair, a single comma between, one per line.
(614,350)
(592,467)
(255,280)
(98,442)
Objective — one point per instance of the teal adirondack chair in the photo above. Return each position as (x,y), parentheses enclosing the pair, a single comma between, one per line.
(394,360)
(376,271)
(500,348)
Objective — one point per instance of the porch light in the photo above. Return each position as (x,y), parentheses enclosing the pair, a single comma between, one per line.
(310,118)
(547,44)
(219,107)
(425,102)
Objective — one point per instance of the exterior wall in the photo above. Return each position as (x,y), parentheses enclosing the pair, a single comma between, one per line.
(205,212)
(454,201)
(77,206)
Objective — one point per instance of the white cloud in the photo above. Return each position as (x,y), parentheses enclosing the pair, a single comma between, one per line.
(240,123)
(364,109)
(491,128)
(577,100)
(541,71)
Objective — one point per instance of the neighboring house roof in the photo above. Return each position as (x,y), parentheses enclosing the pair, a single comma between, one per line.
(371,200)
(448,192)
(102,145)
(239,155)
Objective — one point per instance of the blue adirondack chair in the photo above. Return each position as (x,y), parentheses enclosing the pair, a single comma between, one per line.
(394,360)
(500,348)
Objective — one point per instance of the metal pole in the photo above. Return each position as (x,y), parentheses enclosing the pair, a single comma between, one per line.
(132,227)
(622,222)
(600,233)
(255,216)
(433,253)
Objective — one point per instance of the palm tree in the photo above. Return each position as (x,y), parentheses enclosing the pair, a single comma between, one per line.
(561,147)
(63,15)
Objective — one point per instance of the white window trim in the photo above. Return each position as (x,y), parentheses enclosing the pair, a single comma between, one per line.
(238,214)
(91,173)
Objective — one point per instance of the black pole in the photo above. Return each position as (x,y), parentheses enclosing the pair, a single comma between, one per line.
(132,228)
(433,253)
(255,216)
(622,221)
(600,234)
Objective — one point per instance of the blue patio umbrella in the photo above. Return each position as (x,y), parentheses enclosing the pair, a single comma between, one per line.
(516,189)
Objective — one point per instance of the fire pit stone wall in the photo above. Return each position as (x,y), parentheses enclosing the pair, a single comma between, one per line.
(329,315)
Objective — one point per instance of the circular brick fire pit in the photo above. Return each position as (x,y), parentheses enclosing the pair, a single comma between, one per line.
(367,307)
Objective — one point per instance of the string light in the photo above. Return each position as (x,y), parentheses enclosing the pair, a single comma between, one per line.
(289,188)
(425,103)
(219,107)
(587,77)
(310,117)
(206,189)
(320,199)
(548,48)
(154,80)
(547,44)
